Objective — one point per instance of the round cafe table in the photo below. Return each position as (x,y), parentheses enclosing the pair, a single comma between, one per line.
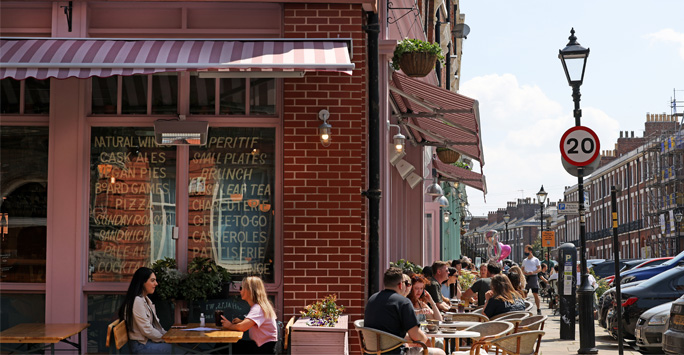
(459,325)
(459,334)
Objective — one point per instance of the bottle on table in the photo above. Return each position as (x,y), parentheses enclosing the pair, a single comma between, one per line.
(202,323)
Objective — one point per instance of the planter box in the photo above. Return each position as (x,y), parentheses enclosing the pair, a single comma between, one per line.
(310,340)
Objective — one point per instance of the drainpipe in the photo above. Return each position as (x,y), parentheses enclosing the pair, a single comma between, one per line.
(438,65)
(373,193)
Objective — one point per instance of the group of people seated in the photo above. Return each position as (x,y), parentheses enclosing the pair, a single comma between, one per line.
(409,299)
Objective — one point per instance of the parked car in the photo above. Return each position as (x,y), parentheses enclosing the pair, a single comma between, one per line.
(592,262)
(605,303)
(648,272)
(650,328)
(662,288)
(673,338)
(607,268)
(646,263)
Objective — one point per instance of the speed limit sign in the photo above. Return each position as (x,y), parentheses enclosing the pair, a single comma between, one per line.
(580,146)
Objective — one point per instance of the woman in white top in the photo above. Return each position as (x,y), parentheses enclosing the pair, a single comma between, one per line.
(260,321)
(144,331)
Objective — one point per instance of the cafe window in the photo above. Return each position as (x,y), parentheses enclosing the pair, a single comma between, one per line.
(206,96)
(231,204)
(23,209)
(32,93)
(132,202)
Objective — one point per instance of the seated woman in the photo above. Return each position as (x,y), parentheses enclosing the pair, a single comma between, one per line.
(422,302)
(502,297)
(514,278)
(523,281)
(144,331)
(260,321)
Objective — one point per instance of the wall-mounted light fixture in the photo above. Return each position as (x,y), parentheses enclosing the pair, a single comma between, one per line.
(446,215)
(443,201)
(399,140)
(434,189)
(325,129)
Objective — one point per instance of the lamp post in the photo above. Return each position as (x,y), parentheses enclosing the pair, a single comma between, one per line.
(678,218)
(541,196)
(574,60)
(506,218)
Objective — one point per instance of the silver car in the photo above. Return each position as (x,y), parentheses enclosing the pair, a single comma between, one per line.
(650,328)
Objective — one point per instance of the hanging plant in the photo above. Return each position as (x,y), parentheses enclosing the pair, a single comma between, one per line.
(447,155)
(416,58)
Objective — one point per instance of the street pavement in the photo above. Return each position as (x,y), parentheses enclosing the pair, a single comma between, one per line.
(552,344)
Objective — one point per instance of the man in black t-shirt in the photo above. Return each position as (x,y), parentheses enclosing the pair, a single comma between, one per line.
(481,286)
(393,313)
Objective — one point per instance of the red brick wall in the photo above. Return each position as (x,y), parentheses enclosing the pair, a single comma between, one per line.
(324,234)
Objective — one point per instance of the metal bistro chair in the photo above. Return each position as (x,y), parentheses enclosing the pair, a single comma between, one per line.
(525,343)
(117,330)
(532,323)
(374,341)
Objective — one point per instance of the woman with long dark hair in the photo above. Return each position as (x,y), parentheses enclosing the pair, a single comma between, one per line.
(260,321)
(144,331)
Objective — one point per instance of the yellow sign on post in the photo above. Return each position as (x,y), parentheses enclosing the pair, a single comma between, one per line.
(548,239)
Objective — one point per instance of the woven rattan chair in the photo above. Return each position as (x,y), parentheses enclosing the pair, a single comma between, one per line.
(469,317)
(488,331)
(532,323)
(513,313)
(375,341)
(529,306)
(525,343)
(479,310)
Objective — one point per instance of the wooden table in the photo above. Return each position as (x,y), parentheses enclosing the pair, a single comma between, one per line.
(180,338)
(40,333)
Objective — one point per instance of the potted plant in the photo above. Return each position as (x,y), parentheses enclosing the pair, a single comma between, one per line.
(205,278)
(407,266)
(416,58)
(323,313)
(322,326)
(169,279)
(447,156)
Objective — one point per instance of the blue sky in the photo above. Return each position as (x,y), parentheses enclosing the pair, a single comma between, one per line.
(510,64)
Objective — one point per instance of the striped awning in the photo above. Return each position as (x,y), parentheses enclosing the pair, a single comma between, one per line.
(438,117)
(449,172)
(62,58)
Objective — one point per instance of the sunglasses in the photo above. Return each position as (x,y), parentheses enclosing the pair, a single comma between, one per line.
(240,288)
(407,283)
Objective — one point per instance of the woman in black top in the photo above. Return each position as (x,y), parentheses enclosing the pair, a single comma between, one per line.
(502,297)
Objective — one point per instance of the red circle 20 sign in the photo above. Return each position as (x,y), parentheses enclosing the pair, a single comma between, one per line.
(580,146)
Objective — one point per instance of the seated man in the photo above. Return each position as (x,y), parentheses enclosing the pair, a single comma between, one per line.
(481,286)
(393,313)
(440,273)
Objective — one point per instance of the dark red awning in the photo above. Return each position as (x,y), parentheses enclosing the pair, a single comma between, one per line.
(449,172)
(438,117)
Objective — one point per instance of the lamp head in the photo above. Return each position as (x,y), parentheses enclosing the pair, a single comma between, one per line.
(574,60)
(399,142)
(678,217)
(443,201)
(541,195)
(506,217)
(445,216)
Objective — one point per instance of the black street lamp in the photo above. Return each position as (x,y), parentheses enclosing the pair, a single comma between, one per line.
(574,60)
(506,218)
(678,218)
(541,196)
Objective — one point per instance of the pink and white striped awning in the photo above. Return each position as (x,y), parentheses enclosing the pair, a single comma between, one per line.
(62,58)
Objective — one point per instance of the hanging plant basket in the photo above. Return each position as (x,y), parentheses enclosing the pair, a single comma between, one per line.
(448,156)
(417,64)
